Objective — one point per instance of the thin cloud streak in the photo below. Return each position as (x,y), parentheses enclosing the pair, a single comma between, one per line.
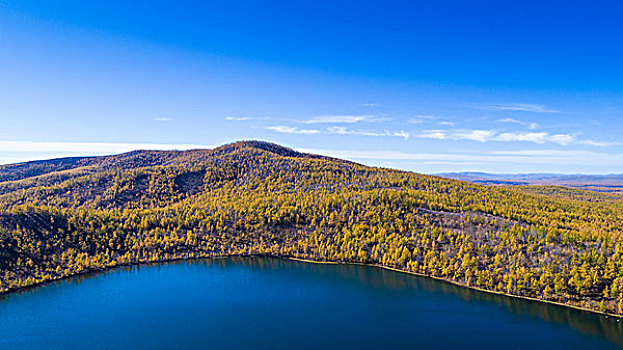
(546,157)
(337,130)
(478,135)
(342,119)
(239,118)
(536,137)
(292,130)
(600,143)
(520,107)
(511,121)
(545,152)
(422,118)
(434,134)
(531,126)
(475,135)
(484,136)
(345,131)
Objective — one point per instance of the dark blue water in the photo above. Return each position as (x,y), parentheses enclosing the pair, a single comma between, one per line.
(264,303)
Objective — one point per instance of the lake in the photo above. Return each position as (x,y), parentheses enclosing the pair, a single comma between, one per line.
(267,303)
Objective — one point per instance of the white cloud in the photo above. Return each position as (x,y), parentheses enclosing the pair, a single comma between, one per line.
(434,134)
(490,135)
(599,143)
(522,107)
(421,118)
(341,119)
(536,137)
(530,126)
(238,118)
(475,135)
(478,135)
(344,131)
(371,105)
(290,130)
(561,139)
(162,119)
(446,123)
(511,120)
(402,134)
(337,130)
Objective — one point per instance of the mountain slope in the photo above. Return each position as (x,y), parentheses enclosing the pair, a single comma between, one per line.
(63,217)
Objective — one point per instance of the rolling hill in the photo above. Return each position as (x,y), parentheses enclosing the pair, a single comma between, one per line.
(68,216)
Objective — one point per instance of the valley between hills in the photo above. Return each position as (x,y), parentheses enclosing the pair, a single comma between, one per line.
(69,216)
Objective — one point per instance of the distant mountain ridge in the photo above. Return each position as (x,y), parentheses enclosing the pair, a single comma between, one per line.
(600,183)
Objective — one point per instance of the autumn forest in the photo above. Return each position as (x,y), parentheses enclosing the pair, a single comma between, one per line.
(69,216)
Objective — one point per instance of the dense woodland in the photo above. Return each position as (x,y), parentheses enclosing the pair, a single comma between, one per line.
(64,217)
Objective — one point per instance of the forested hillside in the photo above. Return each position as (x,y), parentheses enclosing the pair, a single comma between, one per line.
(63,217)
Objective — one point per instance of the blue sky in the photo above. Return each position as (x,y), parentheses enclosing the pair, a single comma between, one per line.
(497,86)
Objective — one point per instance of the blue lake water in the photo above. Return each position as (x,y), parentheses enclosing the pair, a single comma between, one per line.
(265,303)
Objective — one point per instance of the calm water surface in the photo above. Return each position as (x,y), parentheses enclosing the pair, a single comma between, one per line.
(264,303)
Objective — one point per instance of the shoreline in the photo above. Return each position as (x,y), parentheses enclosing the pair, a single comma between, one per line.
(6,293)
(441,279)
